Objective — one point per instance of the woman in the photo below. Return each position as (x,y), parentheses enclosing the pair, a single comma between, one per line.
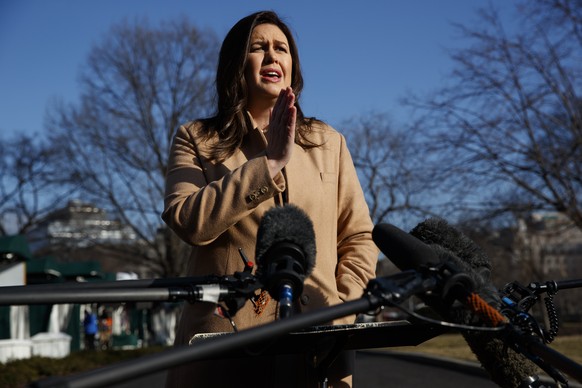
(260,151)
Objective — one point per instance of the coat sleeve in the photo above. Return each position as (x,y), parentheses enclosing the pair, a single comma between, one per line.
(199,209)
(357,253)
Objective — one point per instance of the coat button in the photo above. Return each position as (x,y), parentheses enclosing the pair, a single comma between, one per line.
(304,299)
(252,197)
(264,189)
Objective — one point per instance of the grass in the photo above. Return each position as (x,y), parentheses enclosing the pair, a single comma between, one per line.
(454,346)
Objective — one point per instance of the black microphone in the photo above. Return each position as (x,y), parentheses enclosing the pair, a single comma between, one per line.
(434,241)
(457,280)
(285,254)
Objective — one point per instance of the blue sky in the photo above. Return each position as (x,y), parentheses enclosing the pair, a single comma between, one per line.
(357,56)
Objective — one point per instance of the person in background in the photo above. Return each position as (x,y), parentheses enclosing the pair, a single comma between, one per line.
(105,327)
(225,172)
(90,329)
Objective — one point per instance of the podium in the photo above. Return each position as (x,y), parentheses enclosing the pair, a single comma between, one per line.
(322,344)
(351,337)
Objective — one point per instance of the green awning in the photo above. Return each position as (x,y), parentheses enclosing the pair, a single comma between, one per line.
(14,248)
(43,270)
(48,269)
(86,269)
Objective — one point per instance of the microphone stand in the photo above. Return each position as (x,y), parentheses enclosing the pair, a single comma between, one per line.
(234,290)
(527,337)
(379,292)
(545,357)
(187,288)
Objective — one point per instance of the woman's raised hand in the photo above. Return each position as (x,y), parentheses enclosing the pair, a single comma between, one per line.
(281,131)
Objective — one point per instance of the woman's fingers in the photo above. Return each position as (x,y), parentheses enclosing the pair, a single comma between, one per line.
(283,110)
(278,107)
(281,133)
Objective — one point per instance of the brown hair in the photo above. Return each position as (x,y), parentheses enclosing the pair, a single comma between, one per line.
(231,122)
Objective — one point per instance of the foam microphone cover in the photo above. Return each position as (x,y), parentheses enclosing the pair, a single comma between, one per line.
(452,245)
(506,367)
(282,227)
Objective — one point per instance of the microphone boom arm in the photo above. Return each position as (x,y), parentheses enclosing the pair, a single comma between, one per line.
(234,290)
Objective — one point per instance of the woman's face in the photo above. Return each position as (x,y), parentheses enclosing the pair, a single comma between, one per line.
(269,63)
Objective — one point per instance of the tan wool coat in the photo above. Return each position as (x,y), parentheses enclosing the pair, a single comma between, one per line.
(217,206)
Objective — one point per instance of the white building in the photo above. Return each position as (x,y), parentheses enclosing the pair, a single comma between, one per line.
(79,225)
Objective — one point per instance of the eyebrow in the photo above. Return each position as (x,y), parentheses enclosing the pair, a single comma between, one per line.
(261,39)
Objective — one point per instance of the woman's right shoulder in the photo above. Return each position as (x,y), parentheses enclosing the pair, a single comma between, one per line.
(196,136)
(196,128)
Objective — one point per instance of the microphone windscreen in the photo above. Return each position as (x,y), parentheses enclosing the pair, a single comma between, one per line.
(438,231)
(286,224)
(506,367)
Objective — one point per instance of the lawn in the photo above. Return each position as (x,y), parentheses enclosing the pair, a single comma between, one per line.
(454,346)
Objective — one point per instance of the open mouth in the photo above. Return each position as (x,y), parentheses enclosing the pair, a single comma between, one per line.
(271,74)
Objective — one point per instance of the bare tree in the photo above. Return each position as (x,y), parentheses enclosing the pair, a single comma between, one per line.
(391,171)
(28,190)
(508,127)
(138,85)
